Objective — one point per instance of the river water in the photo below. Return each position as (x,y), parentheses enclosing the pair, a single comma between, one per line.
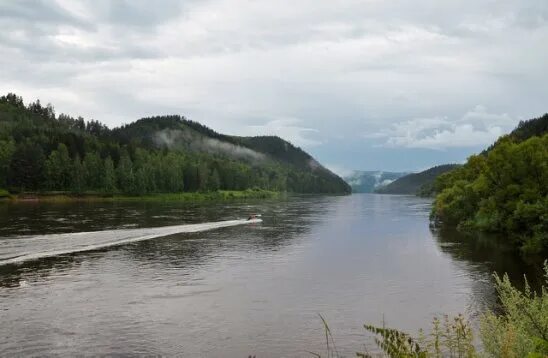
(234,290)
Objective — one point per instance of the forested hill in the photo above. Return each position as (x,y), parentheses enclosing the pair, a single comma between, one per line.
(504,189)
(416,183)
(40,151)
(524,130)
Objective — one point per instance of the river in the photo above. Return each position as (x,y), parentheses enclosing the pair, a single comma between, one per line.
(238,290)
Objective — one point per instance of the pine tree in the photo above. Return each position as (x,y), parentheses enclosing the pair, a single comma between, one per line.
(94,171)
(78,176)
(213,182)
(57,169)
(7,148)
(109,176)
(125,174)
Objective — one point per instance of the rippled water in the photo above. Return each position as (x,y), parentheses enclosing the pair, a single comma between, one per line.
(235,291)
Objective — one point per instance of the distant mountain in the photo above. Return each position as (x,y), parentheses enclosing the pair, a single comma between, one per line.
(416,183)
(41,151)
(369,181)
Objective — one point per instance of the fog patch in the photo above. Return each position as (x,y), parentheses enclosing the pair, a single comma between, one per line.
(385,182)
(185,138)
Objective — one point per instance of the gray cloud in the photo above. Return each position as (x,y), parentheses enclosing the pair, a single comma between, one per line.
(315,72)
(475,127)
(38,11)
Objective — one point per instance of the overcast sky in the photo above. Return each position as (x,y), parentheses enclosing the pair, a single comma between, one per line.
(388,85)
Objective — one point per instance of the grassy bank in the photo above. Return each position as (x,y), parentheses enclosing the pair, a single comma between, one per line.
(220,195)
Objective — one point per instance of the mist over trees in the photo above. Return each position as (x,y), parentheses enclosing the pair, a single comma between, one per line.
(40,151)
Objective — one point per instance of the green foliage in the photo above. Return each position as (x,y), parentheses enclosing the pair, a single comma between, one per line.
(7,148)
(394,344)
(450,338)
(522,329)
(4,193)
(40,151)
(502,190)
(58,169)
(26,169)
(109,176)
(78,180)
(93,167)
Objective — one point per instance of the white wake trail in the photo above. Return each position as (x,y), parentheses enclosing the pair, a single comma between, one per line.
(28,248)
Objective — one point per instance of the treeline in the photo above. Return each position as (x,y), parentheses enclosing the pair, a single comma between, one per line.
(504,189)
(40,151)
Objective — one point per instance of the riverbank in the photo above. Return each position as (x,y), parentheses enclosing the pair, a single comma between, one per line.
(97,196)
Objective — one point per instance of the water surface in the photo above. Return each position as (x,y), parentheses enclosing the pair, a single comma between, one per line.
(235,291)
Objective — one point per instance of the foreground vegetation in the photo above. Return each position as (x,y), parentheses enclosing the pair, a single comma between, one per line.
(520,330)
(40,151)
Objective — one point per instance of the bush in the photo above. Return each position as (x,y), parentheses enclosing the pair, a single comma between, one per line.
(522,329)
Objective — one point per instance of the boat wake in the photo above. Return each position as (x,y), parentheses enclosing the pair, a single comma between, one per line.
(28,248)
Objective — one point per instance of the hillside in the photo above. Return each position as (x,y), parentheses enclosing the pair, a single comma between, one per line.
(368,181)
(530,128)
(416,183)
(40,151)
(502,190)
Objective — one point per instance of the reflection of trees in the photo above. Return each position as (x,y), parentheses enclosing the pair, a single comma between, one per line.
(489,253)
(12,275)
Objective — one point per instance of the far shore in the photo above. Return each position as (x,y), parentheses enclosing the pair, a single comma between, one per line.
(58,196)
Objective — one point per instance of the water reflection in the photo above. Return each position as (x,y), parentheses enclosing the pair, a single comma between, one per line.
(240,290)
(489,254)
(284,221)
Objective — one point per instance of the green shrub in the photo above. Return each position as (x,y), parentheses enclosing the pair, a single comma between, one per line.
(522,329)
(448,338)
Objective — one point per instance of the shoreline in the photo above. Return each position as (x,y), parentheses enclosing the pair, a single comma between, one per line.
(220,195)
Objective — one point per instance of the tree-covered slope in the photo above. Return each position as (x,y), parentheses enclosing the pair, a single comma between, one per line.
(525,130)
(416,183)
(504,189)
(40,151)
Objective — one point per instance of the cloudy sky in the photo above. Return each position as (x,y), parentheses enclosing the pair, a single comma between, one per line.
(390,85)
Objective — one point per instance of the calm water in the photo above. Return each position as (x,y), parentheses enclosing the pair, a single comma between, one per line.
(235,291)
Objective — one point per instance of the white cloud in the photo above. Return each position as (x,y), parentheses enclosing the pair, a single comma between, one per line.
(340,170)
(475,128)
(240,66)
